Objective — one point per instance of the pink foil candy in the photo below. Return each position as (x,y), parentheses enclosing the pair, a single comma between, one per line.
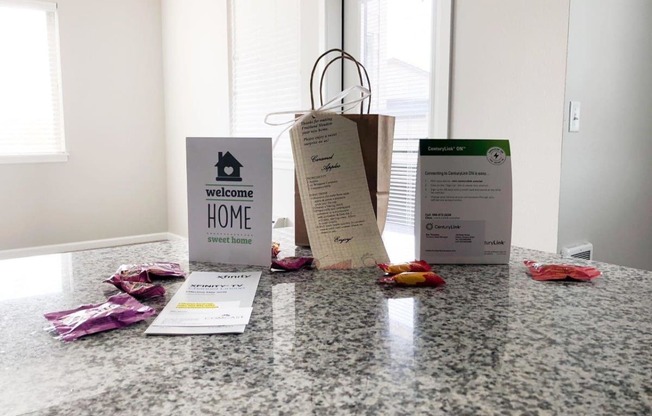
(117,312)
(292,263)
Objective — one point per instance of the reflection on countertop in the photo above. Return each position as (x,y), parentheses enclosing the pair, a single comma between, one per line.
(334,342)
(38,275)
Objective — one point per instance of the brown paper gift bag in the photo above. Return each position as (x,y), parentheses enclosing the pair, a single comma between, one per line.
(376,134)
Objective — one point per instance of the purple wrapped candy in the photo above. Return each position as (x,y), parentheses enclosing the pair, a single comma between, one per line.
(136,279)
(143,272)
(118,311)
(141,290)
(131,276)
(131,273)
(164,269)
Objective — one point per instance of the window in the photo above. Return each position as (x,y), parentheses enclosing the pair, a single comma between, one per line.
(273,46)
(31,113)
(266,52)
(404,44)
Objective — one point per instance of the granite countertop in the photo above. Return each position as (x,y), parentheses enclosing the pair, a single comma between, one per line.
(492,341)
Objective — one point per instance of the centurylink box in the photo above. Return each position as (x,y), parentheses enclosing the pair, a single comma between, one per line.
(463,209)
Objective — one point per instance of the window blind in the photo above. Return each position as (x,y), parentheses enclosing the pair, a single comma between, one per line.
(266,58)
(396,45)
(31,111)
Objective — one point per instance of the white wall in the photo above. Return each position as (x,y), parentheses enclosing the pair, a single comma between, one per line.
(508,75)
(195,55)
(606,191)
(114,183)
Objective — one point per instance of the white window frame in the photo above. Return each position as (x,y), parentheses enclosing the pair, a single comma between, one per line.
(61,154)
(440,61)
(441,64)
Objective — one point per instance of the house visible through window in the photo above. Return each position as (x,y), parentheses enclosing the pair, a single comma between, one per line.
(31,113)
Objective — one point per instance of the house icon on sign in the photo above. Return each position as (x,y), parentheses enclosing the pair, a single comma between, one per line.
(228,168)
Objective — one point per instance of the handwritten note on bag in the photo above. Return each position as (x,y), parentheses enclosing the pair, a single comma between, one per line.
(334,193)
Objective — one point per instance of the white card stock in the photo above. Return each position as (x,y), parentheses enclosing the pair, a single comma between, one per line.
(209,303)
(334,193)
(230,200)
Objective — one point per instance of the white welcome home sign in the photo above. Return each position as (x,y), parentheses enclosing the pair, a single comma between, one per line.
(229,200)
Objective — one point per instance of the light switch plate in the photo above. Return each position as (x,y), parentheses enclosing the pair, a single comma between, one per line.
(574,117)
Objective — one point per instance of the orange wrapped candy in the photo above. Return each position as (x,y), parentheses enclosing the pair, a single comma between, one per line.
(414,279)
(412,266)
(276,248)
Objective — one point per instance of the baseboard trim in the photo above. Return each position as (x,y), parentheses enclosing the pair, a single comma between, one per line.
(87,245)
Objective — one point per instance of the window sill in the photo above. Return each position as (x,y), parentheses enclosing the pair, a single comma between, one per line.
(36,158)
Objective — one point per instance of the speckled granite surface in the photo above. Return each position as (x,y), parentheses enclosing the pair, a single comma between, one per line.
(492,341)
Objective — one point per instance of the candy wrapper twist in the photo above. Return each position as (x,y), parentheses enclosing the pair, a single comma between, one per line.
(414,273)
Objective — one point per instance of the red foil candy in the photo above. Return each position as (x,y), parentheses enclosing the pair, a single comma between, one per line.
(540,271)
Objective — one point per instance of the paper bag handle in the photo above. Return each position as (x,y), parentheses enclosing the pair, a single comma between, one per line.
(343,55)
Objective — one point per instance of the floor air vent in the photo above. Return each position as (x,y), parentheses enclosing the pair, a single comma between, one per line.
(580,251)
